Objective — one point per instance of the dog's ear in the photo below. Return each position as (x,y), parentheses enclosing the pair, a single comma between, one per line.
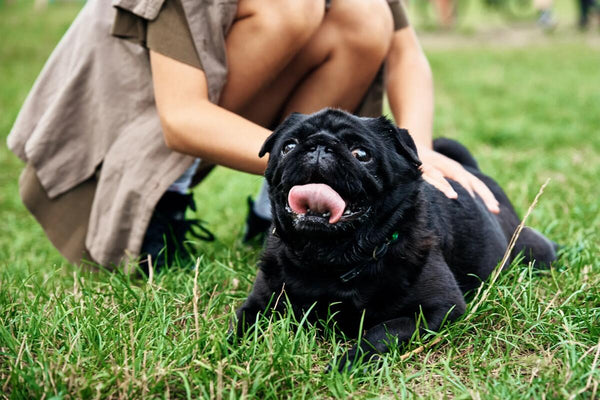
(403,142)
(288,124)
(406,145)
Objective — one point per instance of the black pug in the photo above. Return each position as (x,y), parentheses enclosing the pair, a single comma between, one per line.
(357,230)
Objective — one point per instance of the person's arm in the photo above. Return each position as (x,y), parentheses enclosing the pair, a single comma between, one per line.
(409,85)
(195,126)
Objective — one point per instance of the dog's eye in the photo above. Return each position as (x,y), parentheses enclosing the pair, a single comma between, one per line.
(288,147)
(361,155)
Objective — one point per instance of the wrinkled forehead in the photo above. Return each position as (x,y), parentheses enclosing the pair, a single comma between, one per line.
(338,127)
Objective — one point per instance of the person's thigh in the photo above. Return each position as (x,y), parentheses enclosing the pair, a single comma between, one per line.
(334,68)
(264,37)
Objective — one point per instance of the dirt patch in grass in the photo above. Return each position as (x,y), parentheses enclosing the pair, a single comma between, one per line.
(507,37)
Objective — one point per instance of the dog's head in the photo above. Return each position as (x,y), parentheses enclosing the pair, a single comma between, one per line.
(337,177)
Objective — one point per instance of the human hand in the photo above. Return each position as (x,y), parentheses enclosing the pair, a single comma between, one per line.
(437,167)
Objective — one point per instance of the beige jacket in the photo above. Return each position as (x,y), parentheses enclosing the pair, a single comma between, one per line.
(93,106)
(92,110)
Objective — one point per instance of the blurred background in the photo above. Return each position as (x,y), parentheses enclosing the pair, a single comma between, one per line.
(482,15)
(456,15)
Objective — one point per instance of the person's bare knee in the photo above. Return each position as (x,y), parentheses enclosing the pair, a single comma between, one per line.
(365,26)
(264,38)
(289,19)
(336,65)
(346,53)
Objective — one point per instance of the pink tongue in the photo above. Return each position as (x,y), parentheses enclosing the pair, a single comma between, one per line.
(317,197)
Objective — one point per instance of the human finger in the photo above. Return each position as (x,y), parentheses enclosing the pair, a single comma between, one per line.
(435,178)
(475,186)
(485,194)
(464,180)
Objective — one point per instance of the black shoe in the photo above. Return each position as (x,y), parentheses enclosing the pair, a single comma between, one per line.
(164,239)
(256,226)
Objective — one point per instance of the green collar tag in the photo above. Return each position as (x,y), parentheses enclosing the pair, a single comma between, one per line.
(378,252)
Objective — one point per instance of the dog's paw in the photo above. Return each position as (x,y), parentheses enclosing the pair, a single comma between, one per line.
(353,359)
(232,338)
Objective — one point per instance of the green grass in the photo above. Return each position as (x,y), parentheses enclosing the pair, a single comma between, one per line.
(528,113)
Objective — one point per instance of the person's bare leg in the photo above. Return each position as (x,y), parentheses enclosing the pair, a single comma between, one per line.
(265,36)
(445,10)
(335,68)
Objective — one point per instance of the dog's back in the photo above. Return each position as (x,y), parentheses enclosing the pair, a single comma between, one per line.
(456,151)
(533,245)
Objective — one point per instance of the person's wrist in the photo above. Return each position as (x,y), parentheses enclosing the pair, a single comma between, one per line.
(424,152)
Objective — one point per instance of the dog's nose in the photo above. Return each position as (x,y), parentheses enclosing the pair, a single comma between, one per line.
(319,153)
(319,147)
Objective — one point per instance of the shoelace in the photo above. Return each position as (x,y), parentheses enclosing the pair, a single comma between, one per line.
(197,229)
(196,226)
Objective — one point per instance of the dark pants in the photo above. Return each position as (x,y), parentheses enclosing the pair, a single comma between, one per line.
(584,11)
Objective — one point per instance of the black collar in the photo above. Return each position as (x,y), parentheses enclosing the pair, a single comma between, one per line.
(378,253)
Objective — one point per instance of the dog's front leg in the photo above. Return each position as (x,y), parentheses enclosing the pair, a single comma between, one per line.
(436,294)
(378,339)
(247,315)
(258,302)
